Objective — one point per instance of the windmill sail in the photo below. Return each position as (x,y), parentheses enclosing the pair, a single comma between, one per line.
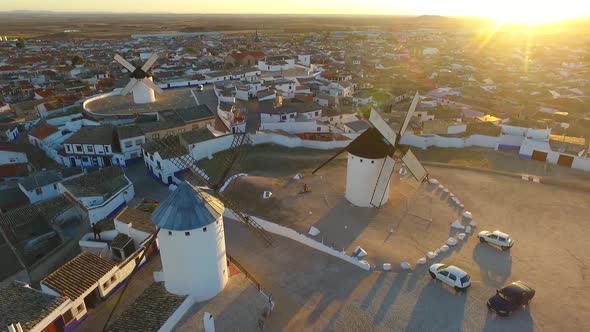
(414,166)
(382,184)
(411,111)
(382,126)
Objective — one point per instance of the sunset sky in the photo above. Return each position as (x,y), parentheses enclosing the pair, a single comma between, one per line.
(527,11)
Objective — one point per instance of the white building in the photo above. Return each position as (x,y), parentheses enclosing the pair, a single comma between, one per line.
(131,138)
(276,63)
(8,131)
(41,186)
(12,154)
(160,163)
(192,243)
(101,193)
(92,146)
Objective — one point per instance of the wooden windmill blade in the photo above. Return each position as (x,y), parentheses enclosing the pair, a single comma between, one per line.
(414,166)
(382,184)
(185,160)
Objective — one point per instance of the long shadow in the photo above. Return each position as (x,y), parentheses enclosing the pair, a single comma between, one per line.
(495,265)
(300,278)
(520,321)
(439,308)
(389,299)
(374,289)
(341,234)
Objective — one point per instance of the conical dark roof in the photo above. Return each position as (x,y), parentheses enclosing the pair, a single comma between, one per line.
(187,208)
(371,145)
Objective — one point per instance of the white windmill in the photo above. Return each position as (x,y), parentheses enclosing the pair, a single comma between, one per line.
(371,161)
(141,83)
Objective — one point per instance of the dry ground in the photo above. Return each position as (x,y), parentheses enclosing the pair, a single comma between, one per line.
(319,293)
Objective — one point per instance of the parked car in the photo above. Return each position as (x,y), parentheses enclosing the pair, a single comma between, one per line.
(200,87)
(498,238)
(511,297)
(450,275)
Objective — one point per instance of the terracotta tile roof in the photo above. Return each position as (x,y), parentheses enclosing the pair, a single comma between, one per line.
(26,305)
(44,93)
(5,146)
(79,275)
(138,219)
(43,131)
(104,182)
(149,312)
(14,170)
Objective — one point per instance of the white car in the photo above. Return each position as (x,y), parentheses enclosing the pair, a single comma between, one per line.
(450,275)
(498,238)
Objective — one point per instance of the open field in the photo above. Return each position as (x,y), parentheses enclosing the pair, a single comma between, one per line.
(48,25)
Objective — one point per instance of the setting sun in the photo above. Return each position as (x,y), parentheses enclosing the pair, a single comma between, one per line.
(536,12)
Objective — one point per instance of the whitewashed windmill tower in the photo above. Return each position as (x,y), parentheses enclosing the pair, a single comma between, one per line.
(141,84)
(371,161)
(192,243)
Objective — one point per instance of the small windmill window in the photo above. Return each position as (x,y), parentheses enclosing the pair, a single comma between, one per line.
(187,233)
(204,229)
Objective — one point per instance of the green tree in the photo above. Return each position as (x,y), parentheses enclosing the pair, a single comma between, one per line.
(191,50)
(77,60)
(20,43)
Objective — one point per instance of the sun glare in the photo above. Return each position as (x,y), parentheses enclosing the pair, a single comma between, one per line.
(535,12)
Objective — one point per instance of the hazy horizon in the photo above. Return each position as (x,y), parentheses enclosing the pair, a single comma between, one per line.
(530,11)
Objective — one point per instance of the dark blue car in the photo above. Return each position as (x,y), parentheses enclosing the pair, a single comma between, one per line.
(510,298)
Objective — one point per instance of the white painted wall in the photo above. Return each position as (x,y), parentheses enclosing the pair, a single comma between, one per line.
(208,148)
(194,264)
(296,127)
(47,192)
(296,142)
(427,141)
(361,179)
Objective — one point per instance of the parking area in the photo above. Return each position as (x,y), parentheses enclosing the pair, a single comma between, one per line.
(546,221)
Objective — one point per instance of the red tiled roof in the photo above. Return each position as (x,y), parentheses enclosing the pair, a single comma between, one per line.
(44,93)
(241,55)
(43,131)
(13,170)
(5,146)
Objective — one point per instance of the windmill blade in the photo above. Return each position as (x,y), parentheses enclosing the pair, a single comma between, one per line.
(152,85)
(146,66)
(129,87)
(410,114)
(184,160)
(382,184)
(329,160)
(124,62)
(414,166)
(382,126)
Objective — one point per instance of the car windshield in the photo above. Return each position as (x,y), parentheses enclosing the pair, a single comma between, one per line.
(506,297)
(465,279)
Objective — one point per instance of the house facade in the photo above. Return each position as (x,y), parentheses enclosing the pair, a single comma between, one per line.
(92,146)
